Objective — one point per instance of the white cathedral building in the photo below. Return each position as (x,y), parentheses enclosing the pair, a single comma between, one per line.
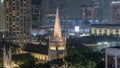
(56,48)
(57,42)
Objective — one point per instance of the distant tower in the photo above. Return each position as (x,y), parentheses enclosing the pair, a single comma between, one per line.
(87,13)
(49,9)
(18,20)
(7,58)
(2,22)
(98,9)
(57,42)
(115,12)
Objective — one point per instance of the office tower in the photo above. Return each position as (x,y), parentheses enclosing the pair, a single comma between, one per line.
(49,8)
(36,16)
(36,13)
(2,22)
(18,20)
(115,12)
(57,42)
(87,13)
(98,9)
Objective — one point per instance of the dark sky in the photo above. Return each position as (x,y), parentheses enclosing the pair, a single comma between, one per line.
(74,8)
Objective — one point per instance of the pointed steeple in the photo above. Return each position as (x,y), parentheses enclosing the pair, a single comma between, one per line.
(57,28)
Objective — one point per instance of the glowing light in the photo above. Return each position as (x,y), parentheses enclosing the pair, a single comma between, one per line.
(34,34)
(61,48)
(2,1)
(52,47)
(114,2)
(76,28)
(100,43)
(71,34)
(84,35)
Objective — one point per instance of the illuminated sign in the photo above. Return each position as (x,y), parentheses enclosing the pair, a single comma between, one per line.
(76,28)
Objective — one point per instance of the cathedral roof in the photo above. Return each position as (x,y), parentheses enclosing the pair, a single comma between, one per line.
(40,49)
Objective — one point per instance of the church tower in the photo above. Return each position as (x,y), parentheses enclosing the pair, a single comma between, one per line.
(7,55)
(57,42)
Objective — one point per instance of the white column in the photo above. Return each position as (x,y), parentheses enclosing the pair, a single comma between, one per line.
(98,33)
(106,60)
(108,32)
(115,61)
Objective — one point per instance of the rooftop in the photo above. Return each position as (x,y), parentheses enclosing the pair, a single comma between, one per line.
(40,49)
(105,25)
(118,47)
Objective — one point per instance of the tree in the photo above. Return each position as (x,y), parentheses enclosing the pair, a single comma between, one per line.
(24,60)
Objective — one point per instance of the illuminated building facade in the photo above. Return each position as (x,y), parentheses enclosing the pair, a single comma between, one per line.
(18,20)
(57,42)
(38,51)
(115,10)
(105,29)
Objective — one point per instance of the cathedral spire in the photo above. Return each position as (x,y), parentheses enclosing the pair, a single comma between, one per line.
(57,28)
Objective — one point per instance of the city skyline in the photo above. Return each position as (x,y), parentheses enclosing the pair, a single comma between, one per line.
(74,7)
(59,33)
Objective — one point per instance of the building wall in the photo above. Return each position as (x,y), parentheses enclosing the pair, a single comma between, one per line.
(49,8)
(115,11)
(36,13)
(36,16)
(87,13)
(105,31)
(37,55)
(3,26)
(98,6)
(18,20)
(112,58)
(57,49)
(40,56)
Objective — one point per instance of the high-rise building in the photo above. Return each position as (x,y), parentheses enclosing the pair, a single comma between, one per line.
(36,13)
(57,42)
(17,20)
(36,16)
(87,13)
(115,12)
(2,22)
(98,9)
(49,8)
